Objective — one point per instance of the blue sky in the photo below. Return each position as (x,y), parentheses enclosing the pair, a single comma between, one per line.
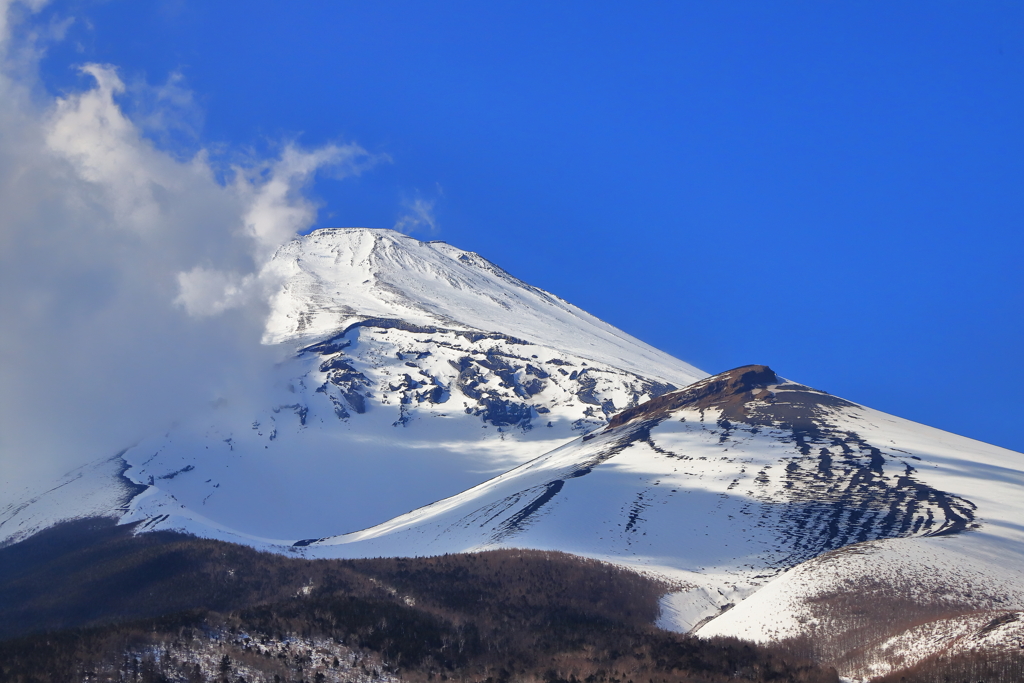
(834,189)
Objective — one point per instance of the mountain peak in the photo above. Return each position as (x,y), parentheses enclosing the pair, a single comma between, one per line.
(334,278)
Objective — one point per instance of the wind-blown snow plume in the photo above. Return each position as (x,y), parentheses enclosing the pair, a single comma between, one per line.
(130,277)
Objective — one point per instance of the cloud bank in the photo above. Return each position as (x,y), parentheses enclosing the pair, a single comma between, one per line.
(131,280)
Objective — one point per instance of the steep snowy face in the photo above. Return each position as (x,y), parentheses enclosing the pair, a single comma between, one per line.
(336,277)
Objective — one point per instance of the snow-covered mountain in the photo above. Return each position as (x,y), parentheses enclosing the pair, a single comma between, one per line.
(436,404)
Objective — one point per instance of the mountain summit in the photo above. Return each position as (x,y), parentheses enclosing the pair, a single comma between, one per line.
(339,277)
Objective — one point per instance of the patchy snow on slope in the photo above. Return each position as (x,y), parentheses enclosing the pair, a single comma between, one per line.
(983,632)
(944,571)
(921,596)
(898,600)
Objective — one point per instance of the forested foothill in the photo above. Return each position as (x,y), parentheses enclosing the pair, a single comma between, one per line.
(91,601)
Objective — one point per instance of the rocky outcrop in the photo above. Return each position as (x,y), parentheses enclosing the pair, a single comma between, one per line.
(506,382)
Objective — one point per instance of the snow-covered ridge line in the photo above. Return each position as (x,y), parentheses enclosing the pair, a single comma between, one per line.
(327,345)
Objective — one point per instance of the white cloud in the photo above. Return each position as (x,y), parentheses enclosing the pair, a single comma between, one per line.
(276,208)
(419,215)
(132,286)
(104,148)
(203,292)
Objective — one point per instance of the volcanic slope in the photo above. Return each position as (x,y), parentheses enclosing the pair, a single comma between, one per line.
(414,371)
(762,497)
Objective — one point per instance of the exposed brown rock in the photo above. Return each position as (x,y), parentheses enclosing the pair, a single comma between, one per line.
(752,393)
(731,387)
